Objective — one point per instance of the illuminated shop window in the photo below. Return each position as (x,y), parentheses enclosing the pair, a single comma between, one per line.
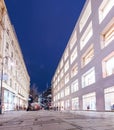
(108,34)
(62,105)
(73,39)
(66,54)
(67,90)
(88,56)
(86,36)
(85,16)
(74,86)
(89,101)
(75,103)
(88,78)
(104,9)
(108,65)
(73,55)
(67,105)
(67,78)
(109,98)
(74,70)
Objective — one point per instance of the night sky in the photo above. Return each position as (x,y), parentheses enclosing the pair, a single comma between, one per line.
(43,28)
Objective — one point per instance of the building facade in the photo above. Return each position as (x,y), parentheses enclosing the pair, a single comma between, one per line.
(84,77)
(14,78)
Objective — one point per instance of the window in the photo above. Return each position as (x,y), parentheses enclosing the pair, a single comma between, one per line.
(109,98)
(66,54)
(74,70)
(7,45)
(67,65)
(86,36)
(67,91)
(108,65)
(67,104)
(73,55)
(61,74)
(104,9)
(75,103)
(58,95)
(73,39)
(108,34)
(58,79)
(7,31)
(89,101)
(66,78)
(88,56)
(88,78)
(61,63)
(74,86)
(62,93)
(85,16)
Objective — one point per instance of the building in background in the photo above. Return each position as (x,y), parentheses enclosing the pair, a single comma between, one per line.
(84,78)
(14,78)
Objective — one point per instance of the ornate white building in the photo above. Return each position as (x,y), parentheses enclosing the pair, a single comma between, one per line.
(14,78)
(84,78)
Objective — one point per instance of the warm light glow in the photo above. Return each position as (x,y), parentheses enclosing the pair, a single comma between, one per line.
(86,36)
(104,9)
(85,16)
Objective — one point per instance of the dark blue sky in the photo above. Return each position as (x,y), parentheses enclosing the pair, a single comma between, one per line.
(43,29)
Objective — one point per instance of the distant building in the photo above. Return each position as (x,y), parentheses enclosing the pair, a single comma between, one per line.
(84,78)
(14,78)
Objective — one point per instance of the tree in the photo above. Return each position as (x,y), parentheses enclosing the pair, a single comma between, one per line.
(34,92)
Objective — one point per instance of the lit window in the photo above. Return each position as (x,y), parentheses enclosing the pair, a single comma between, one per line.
(66,66)
(62,93)
(73,39)
(85,16)
(109,98)
(58,79)
(88,56)
(88,78)
(67,78)
(74,86)
(75,103)
(58,95)
(58,71)
(73,55)
(67,104)
(86,36)
(61,63)
(104,9)
(62,73)
(89,101)
(67,91)
(108,34)
(74,70)
(62,83)
(108,65)
(66,54)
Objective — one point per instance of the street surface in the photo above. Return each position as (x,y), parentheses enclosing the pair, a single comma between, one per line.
(54,120)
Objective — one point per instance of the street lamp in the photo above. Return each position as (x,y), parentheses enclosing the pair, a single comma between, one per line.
(1,83)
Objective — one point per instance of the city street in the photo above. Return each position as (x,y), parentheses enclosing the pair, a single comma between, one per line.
(54,120)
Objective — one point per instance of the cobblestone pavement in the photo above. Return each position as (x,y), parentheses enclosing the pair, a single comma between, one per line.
(53,120)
